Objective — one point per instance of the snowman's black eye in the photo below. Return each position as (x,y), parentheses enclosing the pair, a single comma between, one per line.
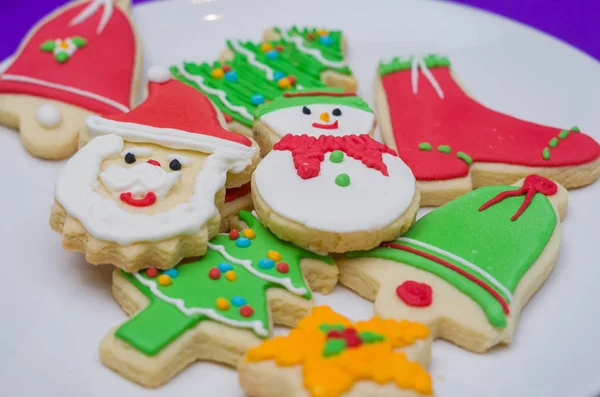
(337,112)
(305,110)
(130,158)
(175,165)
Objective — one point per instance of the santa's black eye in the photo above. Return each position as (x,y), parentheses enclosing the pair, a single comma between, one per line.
(305,110)
(130,158)
(337,112)
(175,165)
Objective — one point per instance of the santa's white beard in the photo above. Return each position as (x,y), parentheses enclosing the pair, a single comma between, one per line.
(139,180)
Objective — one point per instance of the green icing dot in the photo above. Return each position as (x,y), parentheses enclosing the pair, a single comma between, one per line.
(425,146)
(563,134)
(464,157)
(553,142)
(61,57)
(444,149)
(334,347)
(79,41)
(337,156)
(342,180)
(370,337)
(575,129)
(546,154)
(48,46)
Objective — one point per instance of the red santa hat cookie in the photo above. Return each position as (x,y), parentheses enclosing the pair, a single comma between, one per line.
(82,59)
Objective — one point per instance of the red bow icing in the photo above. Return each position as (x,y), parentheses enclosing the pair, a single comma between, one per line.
(533,184)
(308,151)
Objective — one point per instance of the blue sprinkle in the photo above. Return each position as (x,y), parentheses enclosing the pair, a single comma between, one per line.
(278,75)
(231,76)
(266,263)
(257,99)
(242,242)
(326,40)
(171,273)
(224,267)
(238,301)
(272,55)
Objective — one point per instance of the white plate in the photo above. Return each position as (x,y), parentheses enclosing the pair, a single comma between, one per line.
(57,308)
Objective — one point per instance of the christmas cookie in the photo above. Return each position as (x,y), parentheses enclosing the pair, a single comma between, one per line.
(236,200)
(467,268)
(82,59)
(213,309)
(334,193)
(328,356)
(452,143)
(315,112)
(147,189)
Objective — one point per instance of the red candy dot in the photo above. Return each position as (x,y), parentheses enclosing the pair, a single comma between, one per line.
(415,294)
(246,311)
(214,273)
(334,334)
(310,36)
(151,272)
(226,68)
(282,267)
(234,234)
(292,79)
(279,48)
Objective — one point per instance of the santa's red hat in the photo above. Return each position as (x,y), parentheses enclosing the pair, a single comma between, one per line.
(174,115)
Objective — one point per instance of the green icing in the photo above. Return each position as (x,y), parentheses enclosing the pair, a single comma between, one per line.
(79,41)
(61,57)
(405,63)
(563,134)
(444,149)
(503,248)
(546,154)
(425,146)
(162,322)
(464,157)
(370,337)
(575,129)
(553,142)
(342,180)
(48,46)
(334,347)
(331,327)
(337,156)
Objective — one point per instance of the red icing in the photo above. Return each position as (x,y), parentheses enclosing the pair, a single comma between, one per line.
(533,184)
(178,106)
(415,294)
(237,192)
(333,126)
(457,269)
(349,335)
(317,93)
(148,200)
(308,151)
(151,272)
(214,273)
(465,125)
(104,66)
(153,162)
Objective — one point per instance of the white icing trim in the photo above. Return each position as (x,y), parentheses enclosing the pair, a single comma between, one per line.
(256,325)
(299,41)
(463,261)
(242,111)
(419,62)
(184,160)
(72,90)
(247,264)
(137,151)
(252,60)
(91,10)
(159,74)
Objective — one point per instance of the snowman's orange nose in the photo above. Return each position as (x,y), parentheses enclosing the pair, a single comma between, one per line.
(325,117)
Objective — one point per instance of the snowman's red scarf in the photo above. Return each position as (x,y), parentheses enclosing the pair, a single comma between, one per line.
(308,151)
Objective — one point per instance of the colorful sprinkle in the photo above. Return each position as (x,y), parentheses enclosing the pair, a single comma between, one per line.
(337,156)
(322,32)
(342,180)
(284,83)
(173,273)
(426,146)
(234,234)
(246,311)
(249,233)
(310,36)
(242,242)
(274,255)
(231,76)
(266,47)
(226,68)
(217,73)
(238,301)
(464,157)
(272,55)
(444,149)
(257,99)
(563,134)
(279,48)
(553,142)
(164,280)
(546,154)
(282,267)
(151,272)
(326,40)
(575,129)
(230,275)
(222,304)
(292,79)
(225,267)
(266,263)
(278,75)
(214,273)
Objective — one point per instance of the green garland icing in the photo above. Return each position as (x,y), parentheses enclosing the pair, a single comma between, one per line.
(444,149)
(162,322)
(563,134)
(504,248)
(405,63)
(426,146)
(464,157)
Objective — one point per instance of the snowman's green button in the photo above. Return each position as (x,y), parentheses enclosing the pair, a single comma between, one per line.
(342,180)
(337,156)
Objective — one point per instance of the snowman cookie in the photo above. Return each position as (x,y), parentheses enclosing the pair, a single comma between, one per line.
(467,268)
(213,309)
(315,112)
(327,355)
(147,189)
(82,59)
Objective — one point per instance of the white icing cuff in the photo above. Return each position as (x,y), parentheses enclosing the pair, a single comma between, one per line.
(159,74)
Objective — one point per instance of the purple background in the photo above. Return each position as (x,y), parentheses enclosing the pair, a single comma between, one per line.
(574,21)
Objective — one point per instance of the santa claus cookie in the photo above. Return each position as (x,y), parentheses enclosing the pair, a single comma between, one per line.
(315,112)
(213,309)
(467,268)
(452,143)
(147,189)
(328,356)
(82,59)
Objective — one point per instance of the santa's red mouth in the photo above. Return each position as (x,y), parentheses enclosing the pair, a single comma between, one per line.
(149,199)
(326,126)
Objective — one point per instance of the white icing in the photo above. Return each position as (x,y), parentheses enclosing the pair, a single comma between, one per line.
(299,41)
(463,261)
(137,151)
(159,74)
(419,62)
(72,90)
(255,325)
(139,180)
(252,60)
(371,201)
(48,115)
(106,220)
(242,111)
(353,121)
(183,160)
(91,9)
